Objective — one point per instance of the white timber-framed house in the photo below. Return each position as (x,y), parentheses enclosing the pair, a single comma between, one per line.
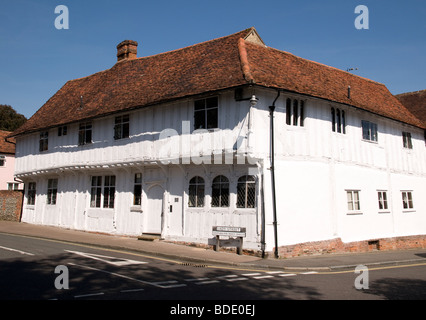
(228,132)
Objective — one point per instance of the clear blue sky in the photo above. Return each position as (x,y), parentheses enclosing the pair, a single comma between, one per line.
(36,59)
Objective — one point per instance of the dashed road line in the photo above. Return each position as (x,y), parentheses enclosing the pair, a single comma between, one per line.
(19,251)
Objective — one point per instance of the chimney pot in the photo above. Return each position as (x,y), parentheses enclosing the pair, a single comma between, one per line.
(127,50)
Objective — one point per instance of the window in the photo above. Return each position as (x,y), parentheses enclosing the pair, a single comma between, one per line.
(206,113)
(407,200)
(62,131)
(353,200)
(44,141)
(52,191)
(121,127)
(338,121)
(107,197)
(2,161)
(31,193)
(12,186)
(246,192)
(295,112)
(406,140)
(196,192)
(95,193)
(85,133)
(220,192)
(137,190)
(383,200)
(109,191)
(369,131)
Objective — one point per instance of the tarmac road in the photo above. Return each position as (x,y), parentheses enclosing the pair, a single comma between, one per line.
(28,268)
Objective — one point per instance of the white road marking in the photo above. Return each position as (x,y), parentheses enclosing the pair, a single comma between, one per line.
(207,282)
(132,290)
(309,272)
(287,275)
(263,277)
(236,279)
(251,274)
(107,259)
(89,295)
(196,279)
(19,251)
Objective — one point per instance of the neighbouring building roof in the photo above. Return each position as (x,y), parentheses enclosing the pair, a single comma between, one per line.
(227,62)
(6,146)
(415,102)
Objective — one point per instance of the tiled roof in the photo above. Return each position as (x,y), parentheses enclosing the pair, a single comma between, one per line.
(206,67)
(6,146)
(415,102)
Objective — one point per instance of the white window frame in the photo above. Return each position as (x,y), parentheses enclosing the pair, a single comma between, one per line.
(351,202)
(407,200)
(383,201)
(372,131)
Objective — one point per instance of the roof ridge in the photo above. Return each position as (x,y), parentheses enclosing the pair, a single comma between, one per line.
(242,32)
(411,92)
(324,65)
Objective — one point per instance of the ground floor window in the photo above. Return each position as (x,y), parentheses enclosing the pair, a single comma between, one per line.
(407,200)
(137,190)
(220,192)
(31,193)
(52,191)
(102,193)
(196,192)
(246,192)
(353,200)
(383,200)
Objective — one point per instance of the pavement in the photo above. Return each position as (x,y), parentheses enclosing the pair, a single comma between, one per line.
(201,256)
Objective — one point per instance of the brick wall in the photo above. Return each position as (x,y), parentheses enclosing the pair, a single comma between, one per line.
(337,246)
(11,205)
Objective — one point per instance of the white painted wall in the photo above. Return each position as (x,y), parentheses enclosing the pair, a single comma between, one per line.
(314,168)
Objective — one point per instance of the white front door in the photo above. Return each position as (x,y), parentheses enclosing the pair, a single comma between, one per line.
(154,215)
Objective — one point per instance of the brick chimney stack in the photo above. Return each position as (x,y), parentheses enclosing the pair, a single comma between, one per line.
(127,50)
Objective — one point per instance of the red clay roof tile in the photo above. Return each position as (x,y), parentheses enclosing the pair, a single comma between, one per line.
(206,67)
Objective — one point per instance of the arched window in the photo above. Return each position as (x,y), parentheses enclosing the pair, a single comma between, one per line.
(196,192)
(220,192)
(246,192)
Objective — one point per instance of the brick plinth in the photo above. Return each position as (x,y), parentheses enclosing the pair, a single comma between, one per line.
(337,246)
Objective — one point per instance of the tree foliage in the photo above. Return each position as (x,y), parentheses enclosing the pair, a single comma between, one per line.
(10,120)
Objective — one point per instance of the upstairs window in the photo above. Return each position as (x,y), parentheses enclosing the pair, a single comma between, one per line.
(85,133)
(206,113)
(406,140)
(62,131)
(369,131)
(121,127)
(220,192)
(338,121)
(295,112)
(196,192)
(52,191)
(2,161)
(44,141)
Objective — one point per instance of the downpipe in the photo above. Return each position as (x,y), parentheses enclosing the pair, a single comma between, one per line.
(274,203)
